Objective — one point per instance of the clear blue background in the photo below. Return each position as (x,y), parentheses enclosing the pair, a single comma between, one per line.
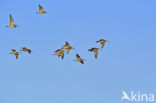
(126,63)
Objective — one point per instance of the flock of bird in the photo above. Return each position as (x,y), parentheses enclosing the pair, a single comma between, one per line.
(58,52)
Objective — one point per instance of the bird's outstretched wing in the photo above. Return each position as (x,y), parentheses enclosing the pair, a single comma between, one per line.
(40,8)
(67,43)
(11,20)
(96,53)
(23,47)
(82,62)
(57,50)
(91,49)
(77,56)
(29,51)
(16,55)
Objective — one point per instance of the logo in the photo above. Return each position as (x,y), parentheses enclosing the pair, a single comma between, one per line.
(137,97)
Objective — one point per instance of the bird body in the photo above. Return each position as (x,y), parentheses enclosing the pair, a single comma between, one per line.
(12,25)
(26,50)
(95,50)
(15,53)
(59,53)
(102,41)
(79,59)
(41,10)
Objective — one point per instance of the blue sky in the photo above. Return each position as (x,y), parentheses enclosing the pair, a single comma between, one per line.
(126,63)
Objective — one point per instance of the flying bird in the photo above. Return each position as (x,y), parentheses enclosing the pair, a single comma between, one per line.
(79,59)
(95,50)
(15,53)
(59,53)
(12,25)
(41,10)
(67,47)
(24,49)
(102,41)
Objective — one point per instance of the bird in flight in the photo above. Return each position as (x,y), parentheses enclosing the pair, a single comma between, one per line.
(24,49)
(67,47)
(15,53)
(41,10)
(102,41)
(59,53)
(79,59)
(95,50)
(12,25)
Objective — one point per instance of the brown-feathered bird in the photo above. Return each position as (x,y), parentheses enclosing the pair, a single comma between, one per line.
(67,47)
(95,50)
(59,53)
(26,50)
(102,41)
(12,25)
(41,10)
(15,53)
(79,59)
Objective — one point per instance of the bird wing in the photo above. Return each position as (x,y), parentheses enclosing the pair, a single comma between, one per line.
(91,49)
(40,8)
(82,62)
(57,50)
(11,20)
(29,51)
(67,43)
(101,40)
(77,56)
(96,53)
(23,47)
(16,55)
